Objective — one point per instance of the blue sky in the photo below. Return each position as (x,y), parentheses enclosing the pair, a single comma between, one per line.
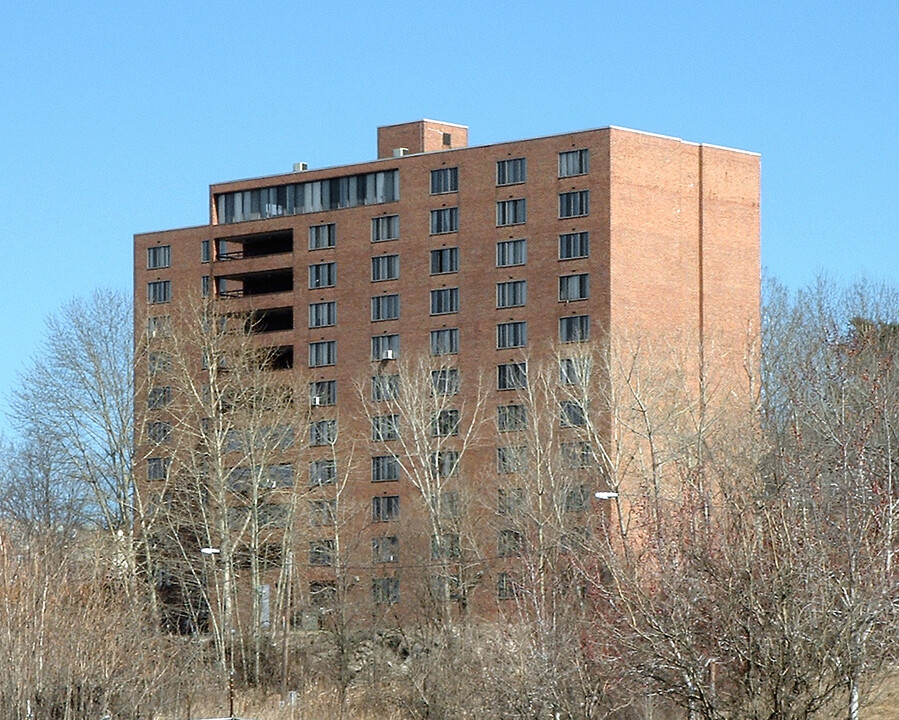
(115,117)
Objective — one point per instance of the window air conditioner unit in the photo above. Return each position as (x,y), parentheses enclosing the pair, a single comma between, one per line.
(387,355)
(316,400)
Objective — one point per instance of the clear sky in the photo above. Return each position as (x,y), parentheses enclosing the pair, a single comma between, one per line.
(115,117)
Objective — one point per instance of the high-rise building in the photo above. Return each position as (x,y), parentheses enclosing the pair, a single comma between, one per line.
(477,263)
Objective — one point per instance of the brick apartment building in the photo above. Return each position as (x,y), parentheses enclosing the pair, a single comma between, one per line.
(482,259)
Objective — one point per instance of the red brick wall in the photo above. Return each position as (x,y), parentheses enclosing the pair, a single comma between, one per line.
(421,136)
(674,260)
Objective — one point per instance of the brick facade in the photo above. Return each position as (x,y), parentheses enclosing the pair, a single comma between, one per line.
(673,259)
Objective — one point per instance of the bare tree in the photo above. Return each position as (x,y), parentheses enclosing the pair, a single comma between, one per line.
(75,645)
(225,435)
(74,408)
(758,579)
(38,495)
(425,423)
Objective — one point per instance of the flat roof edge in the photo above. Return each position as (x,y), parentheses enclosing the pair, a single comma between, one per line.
(420,120)
(686,142)
(170,230)
(284,176)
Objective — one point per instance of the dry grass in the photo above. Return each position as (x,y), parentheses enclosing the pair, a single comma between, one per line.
(885,702)
(314,704)
(319,704)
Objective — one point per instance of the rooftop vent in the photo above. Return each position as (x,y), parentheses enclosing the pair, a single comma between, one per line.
(400,152)
(300,167)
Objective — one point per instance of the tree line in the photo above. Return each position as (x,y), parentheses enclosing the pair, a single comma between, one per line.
(739,563)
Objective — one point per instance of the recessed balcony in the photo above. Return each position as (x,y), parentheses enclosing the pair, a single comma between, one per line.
(241,247)
(251,284)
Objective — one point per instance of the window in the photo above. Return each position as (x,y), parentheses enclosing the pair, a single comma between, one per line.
(159,326)
(204,251)
(159,257)
(574,371)
(159,431)
(322,432)
(510,501)
(322,472)
(511,335)
(385,307)
(159,362)
(446,502)
(446,546)
(323,392)
(574,245)
(385,427)
(445,341)
(447,586)
(512,376)
(574,204)
(511,212)
(385,387)
(511,172)
(385,468)
(574,287)
(445,463)
(158,468)
(322,236)
(510,543)
(577,499)
(280,474)
(445,381)
(322,354)
(159,292)
(508,587)
(385,590)
(159,397)
(385,267)
(511,294)
(511,459)
(322,512)
(322,275)
(385,549)
(321,552)
(205,285)
(444,180)
(572,414)
(444,260)
(444,301)
(385,347)
(574,162)
(273,514)
(278,437)
(575,328)
(444,220)
(511,418)
(385,228)
(511,252)
(578,454)
(235,441)
(322,314)
(307,197)
(445,423)
(322,594)
(385,508)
